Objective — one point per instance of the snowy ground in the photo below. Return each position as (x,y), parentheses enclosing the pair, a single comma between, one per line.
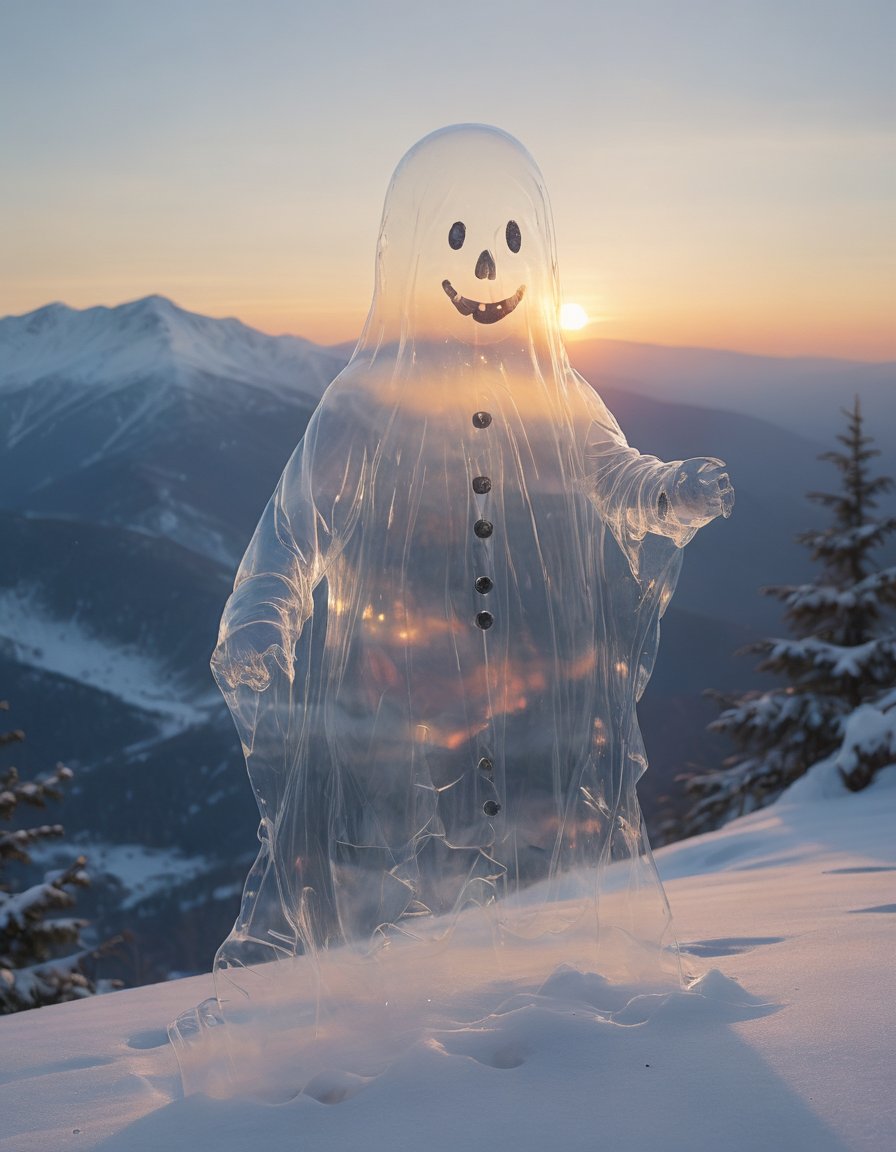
(787,1041)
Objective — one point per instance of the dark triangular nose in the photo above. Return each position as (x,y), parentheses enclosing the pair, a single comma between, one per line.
(485,266)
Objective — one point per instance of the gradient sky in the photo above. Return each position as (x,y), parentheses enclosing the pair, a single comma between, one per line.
(722,174)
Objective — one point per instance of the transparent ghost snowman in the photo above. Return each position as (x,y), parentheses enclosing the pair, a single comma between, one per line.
(433,653)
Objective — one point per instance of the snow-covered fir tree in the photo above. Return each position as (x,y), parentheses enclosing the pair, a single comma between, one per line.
(839,700)
(41,954)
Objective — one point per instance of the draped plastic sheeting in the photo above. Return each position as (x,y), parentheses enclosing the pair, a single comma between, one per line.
(433,652)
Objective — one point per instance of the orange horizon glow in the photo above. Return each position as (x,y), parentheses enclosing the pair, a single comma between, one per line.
(830,331)
(870,343)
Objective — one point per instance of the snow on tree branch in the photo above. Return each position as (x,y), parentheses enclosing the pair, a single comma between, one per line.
(32,973)
(838,704)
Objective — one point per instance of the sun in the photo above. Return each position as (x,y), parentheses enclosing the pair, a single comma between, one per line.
(573,317)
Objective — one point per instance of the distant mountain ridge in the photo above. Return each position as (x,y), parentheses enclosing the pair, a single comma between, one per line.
(138,447)
(153,337)
(110,413)
(803,394)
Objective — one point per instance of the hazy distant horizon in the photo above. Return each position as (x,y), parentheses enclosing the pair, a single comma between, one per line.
(592,333)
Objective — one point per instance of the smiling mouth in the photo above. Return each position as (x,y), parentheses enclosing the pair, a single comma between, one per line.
(483,313)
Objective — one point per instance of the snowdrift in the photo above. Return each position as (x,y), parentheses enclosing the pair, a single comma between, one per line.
(780,1039)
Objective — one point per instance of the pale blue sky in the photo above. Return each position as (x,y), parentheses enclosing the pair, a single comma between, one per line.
(721,173)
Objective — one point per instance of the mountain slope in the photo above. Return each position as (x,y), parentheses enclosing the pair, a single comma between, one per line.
(149,417)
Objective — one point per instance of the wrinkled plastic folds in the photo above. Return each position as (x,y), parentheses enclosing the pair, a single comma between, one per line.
(433,652)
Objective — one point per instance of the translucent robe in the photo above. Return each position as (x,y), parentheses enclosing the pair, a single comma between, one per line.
(435,645)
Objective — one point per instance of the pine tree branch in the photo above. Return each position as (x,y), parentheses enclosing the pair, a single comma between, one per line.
(838,703)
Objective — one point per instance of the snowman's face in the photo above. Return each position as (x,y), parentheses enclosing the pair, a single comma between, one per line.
(484,265)
(466,242)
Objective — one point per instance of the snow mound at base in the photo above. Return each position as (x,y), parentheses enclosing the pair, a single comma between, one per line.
(784,1043)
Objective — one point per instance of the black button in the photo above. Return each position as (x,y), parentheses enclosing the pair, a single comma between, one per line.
(485,765)
(483,529)
(484,620)
(481,485)
(482,419)
(491,808)
(483,585)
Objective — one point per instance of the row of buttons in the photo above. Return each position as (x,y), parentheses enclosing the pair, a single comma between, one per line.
(483,529)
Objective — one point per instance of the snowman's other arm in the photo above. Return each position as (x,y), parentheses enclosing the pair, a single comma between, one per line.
(302,529)
(263,618)
(270,602)
(637,494)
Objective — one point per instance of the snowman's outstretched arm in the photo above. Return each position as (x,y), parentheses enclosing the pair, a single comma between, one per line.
(637,494)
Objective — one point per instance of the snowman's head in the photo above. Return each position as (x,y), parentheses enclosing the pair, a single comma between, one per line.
(466,248)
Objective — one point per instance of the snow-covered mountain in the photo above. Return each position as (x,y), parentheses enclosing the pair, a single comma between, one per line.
(138,447)
(116,415)
(107,348)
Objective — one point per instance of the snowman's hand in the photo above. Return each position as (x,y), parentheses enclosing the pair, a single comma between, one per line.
(250,656)
(699,491)
(245,663)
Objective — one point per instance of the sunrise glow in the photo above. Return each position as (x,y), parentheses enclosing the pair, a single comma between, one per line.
(573,317)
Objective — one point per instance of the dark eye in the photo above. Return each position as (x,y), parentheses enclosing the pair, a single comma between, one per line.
(457,234)
(514,239)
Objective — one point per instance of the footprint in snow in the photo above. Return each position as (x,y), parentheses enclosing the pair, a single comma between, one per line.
(486,1048)
(728,945)
(333,1087)
(151,1038)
